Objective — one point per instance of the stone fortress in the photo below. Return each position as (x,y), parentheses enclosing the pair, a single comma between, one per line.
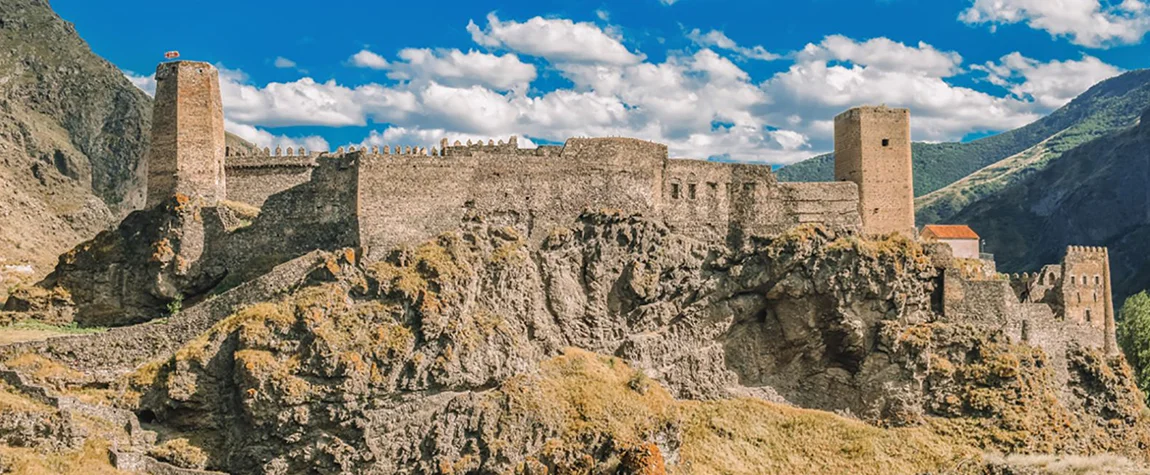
(374,199)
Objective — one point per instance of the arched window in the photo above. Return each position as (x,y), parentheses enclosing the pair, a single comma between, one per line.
(1072,279)
(1050,278)
(1097,280)
(1080,297)
(1087,315)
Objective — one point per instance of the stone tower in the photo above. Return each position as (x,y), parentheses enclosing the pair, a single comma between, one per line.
(1085,290)
(872,149)
(187,155)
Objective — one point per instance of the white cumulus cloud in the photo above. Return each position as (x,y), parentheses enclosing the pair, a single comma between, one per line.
(1088,23)
(284,63)
(367,59)
(1049,84)
(557,40)
(717,39)
(455,67)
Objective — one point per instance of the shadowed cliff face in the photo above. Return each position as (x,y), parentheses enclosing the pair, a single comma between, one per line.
(431,358)
(1095,194)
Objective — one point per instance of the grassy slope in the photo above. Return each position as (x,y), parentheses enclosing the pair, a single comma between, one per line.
(1107,107)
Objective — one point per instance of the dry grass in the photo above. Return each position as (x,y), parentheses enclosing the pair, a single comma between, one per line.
(92,459)
(1105,464)
(13,335)
(45,371)
(753,436)
(591,397)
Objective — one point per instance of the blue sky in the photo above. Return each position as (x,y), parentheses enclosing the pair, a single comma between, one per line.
(753,81)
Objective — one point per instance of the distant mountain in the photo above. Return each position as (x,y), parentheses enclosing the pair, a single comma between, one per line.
(1096,194)
(1109,106)
(942,170)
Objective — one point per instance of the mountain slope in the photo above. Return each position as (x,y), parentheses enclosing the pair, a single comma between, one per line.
(1095,194)
(1107,107)
(72,137)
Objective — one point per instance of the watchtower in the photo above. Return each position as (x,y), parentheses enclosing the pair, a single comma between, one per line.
(187,155)
(872,149)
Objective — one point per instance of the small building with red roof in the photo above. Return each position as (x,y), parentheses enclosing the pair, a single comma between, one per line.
(962,240)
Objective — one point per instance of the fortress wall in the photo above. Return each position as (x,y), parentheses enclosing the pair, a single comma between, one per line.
(989,303)
(696,196)
(405,199)
(834,204)
(254,184)
(319,214)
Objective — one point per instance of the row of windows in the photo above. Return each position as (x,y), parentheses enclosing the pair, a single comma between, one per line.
(1074,280)
(1080,297)
(692,189)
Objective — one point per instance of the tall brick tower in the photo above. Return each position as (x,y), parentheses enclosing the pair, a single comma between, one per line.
(872,149)
(187,155)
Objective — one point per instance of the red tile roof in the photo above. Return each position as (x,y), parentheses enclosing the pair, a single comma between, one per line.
(949,231)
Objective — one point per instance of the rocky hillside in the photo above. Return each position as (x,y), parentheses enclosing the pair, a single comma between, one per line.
(948,176)
(1095,194)
(73,134)
(613,346)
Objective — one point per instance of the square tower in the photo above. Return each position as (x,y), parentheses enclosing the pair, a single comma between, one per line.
(187,154)
(872,149)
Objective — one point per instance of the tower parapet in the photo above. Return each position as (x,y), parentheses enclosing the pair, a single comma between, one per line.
(872,149)
(188,148)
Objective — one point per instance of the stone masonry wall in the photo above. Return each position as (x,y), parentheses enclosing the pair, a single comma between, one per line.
(872,149)
(187,154)
(1082,290)
(408,198)
(319,214)
(252,179)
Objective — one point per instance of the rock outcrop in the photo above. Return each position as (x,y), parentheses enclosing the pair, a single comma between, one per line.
(430,360)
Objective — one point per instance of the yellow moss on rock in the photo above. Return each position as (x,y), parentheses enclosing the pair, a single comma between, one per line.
(181,453)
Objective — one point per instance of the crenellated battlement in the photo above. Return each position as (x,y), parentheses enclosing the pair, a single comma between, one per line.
(492,147)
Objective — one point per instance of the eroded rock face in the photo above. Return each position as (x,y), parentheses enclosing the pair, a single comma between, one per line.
(132,273)
(408,364)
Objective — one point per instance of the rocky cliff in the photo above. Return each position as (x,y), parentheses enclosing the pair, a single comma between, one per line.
(614,343)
